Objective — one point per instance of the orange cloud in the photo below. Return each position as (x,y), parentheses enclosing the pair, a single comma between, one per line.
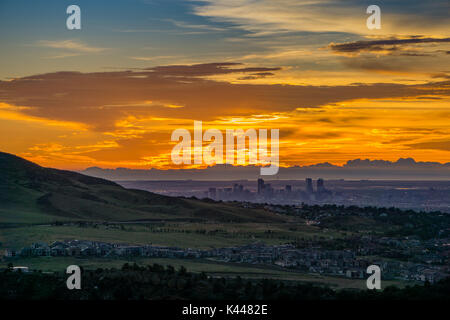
(125,118)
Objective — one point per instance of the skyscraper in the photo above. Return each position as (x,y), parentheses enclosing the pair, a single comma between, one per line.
(260,185)
(320,185)
(309,186)
(212,193)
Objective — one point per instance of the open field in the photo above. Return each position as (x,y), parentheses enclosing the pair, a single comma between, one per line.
(211,267)
(16,238)
(186,235)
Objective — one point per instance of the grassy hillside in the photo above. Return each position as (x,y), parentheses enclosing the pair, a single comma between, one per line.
(33,194)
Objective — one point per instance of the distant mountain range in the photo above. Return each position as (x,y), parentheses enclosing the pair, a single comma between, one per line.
(402,169)
(30,193)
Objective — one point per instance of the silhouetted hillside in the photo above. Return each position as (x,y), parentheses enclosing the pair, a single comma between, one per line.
(32,194)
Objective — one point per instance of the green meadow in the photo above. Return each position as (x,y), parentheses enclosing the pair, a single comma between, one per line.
(183,234)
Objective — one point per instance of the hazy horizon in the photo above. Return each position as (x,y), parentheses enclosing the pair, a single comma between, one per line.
(402,169)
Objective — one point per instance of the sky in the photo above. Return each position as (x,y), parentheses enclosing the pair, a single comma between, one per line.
(111,94)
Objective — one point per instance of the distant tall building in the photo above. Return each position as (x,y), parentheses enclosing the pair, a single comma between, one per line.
(268,190)
(288,188)
(320,185)
(212,193)
(260,185)
(238,188)
(309,186)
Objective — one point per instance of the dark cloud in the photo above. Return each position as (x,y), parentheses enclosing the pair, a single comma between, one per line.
(433,145)
(442,75)
(259,75)
(389,45)
(207,69)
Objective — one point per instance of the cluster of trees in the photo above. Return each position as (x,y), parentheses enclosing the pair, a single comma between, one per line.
(425,225)
(156,282)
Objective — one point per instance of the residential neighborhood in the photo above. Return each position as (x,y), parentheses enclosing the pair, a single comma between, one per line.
(343,263)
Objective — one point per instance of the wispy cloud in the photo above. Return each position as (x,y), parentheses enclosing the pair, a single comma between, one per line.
(70,45)
(64,55)
(265,17)
(153,58)
(185,25)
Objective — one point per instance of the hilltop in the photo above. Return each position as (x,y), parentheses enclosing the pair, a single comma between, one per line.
(30,193)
